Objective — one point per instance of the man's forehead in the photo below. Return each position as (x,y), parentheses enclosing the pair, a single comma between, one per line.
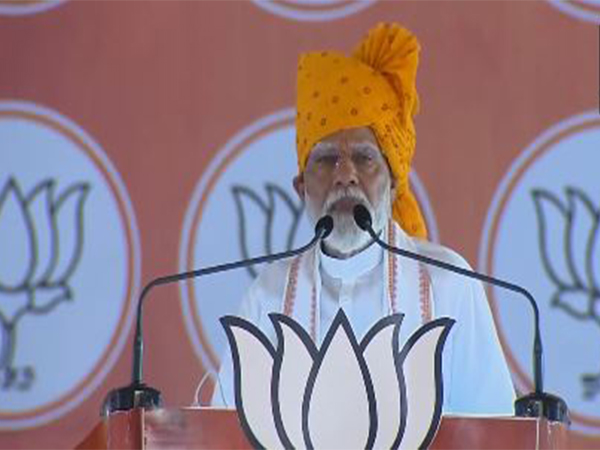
(351,137)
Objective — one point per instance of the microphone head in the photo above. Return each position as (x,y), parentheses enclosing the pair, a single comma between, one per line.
(362,217)
(324,226)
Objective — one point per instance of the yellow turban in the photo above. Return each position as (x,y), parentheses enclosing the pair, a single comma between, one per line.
(374,88)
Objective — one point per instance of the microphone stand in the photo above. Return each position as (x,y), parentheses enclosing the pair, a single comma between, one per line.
(139,395)
(535,404)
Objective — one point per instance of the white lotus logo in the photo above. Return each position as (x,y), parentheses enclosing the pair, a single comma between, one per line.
(260,220)
(569,240)
(345,394)
(41,242)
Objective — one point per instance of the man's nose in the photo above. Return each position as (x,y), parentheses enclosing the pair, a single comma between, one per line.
(345,172)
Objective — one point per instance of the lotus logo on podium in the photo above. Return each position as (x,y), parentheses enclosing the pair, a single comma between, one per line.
(345,394)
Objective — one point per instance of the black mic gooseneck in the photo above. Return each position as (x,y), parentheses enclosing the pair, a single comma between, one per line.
(138,394)
(535,404)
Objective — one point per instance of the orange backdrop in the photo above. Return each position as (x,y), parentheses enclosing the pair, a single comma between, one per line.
(162,87)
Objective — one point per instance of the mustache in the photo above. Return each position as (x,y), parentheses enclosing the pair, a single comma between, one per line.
(351,193)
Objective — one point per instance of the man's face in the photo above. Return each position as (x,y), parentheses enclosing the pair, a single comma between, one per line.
(344,169)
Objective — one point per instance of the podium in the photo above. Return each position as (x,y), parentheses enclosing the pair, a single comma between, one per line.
(211,428)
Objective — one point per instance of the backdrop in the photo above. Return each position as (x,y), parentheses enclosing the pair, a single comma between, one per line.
(143,138)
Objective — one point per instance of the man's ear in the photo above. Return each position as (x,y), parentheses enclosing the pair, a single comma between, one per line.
(393,184)
(299,185)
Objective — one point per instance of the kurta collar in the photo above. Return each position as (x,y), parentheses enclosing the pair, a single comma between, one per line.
(353,267)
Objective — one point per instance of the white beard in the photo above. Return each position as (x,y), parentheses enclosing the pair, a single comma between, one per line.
(346,238)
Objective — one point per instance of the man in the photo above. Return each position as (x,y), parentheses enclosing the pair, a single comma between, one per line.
(355,141)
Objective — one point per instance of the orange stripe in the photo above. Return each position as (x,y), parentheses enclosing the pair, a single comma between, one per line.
(392,269)
(424,283)
(290,293)
(313,315)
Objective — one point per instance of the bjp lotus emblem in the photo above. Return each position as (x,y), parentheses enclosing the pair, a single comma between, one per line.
(41,241)
(345,394)
(265,225)
(573,262)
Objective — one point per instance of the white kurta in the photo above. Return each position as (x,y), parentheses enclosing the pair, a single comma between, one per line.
(475,374)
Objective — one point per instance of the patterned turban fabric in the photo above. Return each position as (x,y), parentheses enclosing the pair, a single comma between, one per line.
(375,88)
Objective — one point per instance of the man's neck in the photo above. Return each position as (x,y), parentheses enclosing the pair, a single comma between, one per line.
(334,253)
(338,254)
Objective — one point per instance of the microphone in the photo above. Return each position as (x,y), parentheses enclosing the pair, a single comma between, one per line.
(535,404)
(138,394)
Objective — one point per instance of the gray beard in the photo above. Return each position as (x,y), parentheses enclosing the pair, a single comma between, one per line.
(346,238)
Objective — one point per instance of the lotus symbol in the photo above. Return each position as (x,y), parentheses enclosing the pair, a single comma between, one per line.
(344,394)
(572,262)
(41,240)
(260,220)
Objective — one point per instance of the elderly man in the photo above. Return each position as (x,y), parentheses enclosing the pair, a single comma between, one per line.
(355,141)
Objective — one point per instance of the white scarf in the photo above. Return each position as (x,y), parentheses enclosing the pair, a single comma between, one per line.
(406,287)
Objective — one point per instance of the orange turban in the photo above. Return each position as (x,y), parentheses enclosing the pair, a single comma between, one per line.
(375,88)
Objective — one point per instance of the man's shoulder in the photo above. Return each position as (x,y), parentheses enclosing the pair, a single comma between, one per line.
(453,292)
(440,252)
(272,278)
(265,294)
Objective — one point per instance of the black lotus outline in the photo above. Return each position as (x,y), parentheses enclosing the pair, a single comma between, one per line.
(446,323)
(279,321)
(339,321)
(587,283)
(275,195)
(393,320)
(228,323)
(33,282)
